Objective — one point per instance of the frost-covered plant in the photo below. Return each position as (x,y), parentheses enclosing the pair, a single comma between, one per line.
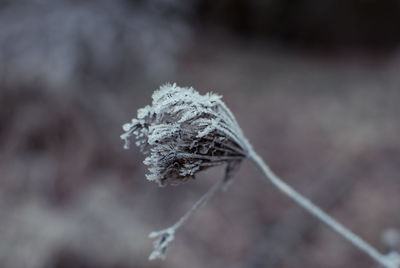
(183,132)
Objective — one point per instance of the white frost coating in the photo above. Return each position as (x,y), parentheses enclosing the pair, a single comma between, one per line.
(183,132)
(164,237)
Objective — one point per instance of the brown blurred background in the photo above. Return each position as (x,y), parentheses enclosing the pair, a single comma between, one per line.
(315,86)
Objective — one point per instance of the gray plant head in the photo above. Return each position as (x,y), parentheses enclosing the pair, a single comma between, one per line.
(183,132)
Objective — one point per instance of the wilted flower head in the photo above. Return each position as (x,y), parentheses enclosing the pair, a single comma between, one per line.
(183,132)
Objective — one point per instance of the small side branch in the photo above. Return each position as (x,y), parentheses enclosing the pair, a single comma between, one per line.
(164,237)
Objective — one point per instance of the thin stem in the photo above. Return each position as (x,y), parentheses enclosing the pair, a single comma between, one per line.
(212,164)
(234,147)
(207,157)
(385,260)
(165,236)
(201,202)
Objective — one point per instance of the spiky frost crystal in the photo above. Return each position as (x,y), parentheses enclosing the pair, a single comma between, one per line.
(183,132)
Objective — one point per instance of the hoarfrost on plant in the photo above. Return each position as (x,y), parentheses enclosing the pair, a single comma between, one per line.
(183,132)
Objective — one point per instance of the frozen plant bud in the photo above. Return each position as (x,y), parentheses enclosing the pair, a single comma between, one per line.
(183,132)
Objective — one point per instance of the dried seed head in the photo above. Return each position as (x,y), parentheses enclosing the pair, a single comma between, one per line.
(183,132)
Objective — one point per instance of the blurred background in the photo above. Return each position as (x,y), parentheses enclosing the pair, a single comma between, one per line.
(315,86)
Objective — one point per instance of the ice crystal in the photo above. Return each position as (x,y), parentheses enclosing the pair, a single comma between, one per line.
(183,132)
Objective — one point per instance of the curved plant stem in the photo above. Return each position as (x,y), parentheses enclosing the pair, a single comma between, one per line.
(388,261)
